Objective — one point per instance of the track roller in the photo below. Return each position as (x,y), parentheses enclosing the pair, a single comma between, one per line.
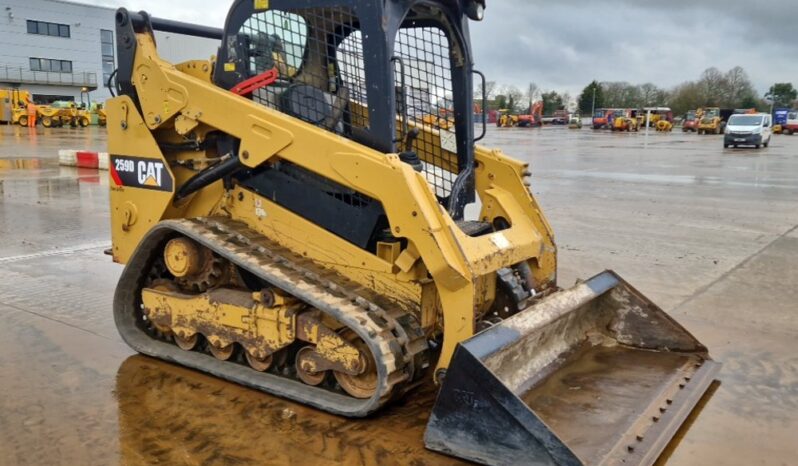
(259,364)
(304,367)
(364,384)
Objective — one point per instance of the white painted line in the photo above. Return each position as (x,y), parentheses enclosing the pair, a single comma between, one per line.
(57,252)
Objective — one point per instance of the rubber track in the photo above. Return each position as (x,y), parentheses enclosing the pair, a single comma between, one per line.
(393,336)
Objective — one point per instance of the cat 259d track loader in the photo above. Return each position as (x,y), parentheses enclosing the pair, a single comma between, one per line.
(290,222)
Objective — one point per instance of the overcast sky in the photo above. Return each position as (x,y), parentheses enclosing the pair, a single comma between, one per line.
(564,44)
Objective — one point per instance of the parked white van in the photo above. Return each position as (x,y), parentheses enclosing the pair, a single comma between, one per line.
(752,129)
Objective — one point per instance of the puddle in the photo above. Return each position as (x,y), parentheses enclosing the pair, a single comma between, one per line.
(25,164)
(651,178)
(172,415)
(87,191)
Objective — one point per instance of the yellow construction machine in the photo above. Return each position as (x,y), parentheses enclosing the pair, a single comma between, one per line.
(713,120)
(82,116)
(625,120)
(506,119)
(651,116)
(13,106)
(664,126)
(443,119)
(532,119)
(57,114)
(303,233)
(102,117)
(51,116)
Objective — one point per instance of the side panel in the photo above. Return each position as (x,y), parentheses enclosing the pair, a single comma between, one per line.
(141,181)
(309,240)
(134,209)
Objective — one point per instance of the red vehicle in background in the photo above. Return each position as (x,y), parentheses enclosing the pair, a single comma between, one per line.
(600,118)
(691,120)
(603,117)
(535,116)
(560,117)
(791,127)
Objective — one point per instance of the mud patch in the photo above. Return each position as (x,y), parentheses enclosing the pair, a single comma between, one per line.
(172,415)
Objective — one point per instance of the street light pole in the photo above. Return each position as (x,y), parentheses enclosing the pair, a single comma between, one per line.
(593,110)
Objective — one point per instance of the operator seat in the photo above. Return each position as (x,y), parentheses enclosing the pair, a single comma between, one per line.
(311,104)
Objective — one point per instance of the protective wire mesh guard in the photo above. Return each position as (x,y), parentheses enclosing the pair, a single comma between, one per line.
(301,46)
(318,54)
(351,69)
(425,60)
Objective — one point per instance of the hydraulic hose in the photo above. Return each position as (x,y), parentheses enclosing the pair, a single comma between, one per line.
(227,166)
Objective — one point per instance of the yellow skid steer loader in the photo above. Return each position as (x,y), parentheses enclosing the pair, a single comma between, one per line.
(290,221)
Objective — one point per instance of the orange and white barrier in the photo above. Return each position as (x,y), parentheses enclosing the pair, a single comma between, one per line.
(83,159)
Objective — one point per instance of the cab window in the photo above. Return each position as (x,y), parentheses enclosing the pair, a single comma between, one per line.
(277,39)
(300,45)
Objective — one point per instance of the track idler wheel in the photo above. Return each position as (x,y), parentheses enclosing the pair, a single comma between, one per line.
(194,267)
(183,257)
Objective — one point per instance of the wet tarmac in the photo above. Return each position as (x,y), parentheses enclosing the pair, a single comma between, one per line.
(709,234)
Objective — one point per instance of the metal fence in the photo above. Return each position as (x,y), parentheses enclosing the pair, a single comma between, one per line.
(18,75)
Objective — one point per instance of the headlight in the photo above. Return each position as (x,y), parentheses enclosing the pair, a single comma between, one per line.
(475,9)
(757,131)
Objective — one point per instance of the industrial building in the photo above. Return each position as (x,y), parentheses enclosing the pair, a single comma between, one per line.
(56,48)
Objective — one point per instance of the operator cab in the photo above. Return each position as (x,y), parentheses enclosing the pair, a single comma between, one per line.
(373,72)
(710,114)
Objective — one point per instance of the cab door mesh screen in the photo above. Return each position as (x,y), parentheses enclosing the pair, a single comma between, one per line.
(300,45)
(351,69)
(425,58)
(318,54)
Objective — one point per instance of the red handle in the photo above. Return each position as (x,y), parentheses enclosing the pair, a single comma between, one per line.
(252,84)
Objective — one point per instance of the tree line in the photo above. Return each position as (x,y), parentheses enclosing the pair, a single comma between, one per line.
(714,88)
(514,99)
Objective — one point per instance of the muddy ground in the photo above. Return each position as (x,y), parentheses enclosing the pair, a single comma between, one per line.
(709,234)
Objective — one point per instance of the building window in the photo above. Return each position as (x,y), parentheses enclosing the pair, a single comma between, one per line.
(107,51)
(50,65)
(48,29)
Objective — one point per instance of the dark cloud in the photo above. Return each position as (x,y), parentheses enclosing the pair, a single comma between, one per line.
(565,44)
